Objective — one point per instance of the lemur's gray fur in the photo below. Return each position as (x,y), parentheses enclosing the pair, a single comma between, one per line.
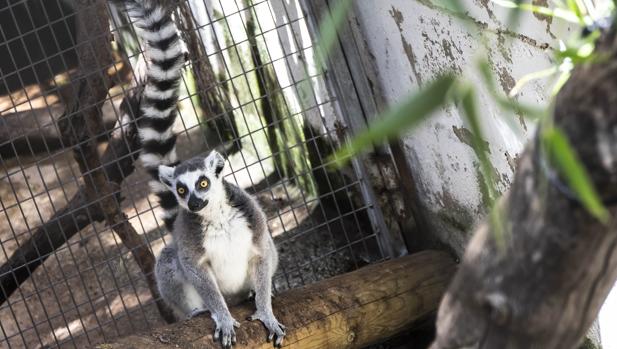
(221,251)
(221,247)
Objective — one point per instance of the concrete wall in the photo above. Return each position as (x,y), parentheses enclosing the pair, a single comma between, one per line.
(411,42)
(408,43)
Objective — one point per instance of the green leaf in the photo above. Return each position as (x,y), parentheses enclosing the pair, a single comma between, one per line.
(575,8)
(468,100)
(528,111)
(328,30)
(567,15)
(470,110)
(515,15)
(561,81)
(530,77)
(562,155)
(401,118)
(580,49)
(458,8)
(455,6)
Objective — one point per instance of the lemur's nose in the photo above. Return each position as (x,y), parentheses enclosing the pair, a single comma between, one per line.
(195,204)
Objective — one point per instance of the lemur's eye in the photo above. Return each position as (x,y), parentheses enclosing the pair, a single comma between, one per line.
(181,190)
(203,183)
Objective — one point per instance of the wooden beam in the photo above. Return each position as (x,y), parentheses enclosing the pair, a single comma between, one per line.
(348,311)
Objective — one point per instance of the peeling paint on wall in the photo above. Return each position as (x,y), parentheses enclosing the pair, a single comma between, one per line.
(432,41)
(487,7)
(398,19)
(547,19)
(512,161)
(506,80)
(465,136)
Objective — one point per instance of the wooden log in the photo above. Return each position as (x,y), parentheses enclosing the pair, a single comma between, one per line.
(348,311)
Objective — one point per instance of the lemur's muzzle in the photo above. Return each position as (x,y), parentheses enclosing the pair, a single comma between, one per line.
(196,204)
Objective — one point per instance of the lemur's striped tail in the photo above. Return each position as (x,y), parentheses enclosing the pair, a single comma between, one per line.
(158,105)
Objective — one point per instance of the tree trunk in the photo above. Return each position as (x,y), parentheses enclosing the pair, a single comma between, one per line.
(219,112)
(266,87)
(545,287)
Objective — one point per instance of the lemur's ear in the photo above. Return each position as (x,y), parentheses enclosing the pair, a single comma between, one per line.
(166,175)
(216,162)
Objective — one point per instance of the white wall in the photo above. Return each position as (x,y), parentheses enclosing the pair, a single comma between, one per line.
(413,41)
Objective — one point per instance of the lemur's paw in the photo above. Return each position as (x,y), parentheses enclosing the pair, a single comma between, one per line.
(225,329)
(276,330)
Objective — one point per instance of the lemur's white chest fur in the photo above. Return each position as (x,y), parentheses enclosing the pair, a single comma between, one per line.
(228,244)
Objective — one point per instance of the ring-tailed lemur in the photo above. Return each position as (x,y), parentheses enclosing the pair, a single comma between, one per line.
(221,249)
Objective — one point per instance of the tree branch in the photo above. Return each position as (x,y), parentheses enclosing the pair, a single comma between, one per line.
(32,132)
(83,123)
(545,288)
(80,212)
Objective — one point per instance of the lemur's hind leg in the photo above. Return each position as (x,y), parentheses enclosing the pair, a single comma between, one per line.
(173,286)
(261,269)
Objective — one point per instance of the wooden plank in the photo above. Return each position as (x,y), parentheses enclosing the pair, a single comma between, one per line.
(348,311)
(350,80)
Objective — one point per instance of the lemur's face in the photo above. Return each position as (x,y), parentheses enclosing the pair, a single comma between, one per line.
(195,182)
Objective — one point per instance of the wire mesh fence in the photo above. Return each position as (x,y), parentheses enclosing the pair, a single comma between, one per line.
(76,217)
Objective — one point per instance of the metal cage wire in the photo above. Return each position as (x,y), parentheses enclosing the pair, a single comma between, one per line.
(90,289)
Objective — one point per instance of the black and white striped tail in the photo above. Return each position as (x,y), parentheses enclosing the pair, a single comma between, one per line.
(158,106)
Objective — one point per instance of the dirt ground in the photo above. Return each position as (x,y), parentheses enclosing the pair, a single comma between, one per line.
(90,290)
